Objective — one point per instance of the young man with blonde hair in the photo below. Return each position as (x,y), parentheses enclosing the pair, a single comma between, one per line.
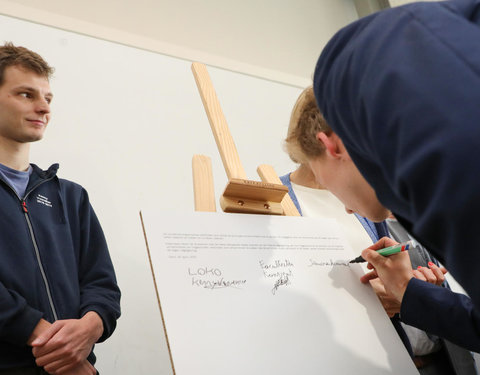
(305,121)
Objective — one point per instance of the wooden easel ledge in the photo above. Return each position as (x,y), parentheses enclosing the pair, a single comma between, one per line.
(246,196)
(240,195)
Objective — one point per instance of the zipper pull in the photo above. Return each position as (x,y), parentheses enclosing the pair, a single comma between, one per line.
(24,206)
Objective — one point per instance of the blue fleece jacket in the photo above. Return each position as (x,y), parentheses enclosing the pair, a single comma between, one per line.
(402,90)
(54,263)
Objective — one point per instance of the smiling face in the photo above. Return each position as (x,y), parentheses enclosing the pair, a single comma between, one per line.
(25,100)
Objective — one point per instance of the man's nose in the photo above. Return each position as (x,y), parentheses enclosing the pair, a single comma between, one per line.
(42,106)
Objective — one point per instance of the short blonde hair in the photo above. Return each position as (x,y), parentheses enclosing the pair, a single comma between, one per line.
(306,122)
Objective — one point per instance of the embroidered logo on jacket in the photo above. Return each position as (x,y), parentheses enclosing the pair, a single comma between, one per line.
(43,200)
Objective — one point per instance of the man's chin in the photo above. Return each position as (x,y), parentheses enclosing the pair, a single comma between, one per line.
(32,138)
(378,217)
(375,214)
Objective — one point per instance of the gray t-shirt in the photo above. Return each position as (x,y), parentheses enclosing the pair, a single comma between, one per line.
(18,180)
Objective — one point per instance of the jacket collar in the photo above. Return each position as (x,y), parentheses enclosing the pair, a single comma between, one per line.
(39,176)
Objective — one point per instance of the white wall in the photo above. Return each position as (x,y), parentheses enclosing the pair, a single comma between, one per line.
(275,39)
(125,125)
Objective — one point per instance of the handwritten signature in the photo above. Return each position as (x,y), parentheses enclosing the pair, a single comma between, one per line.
(218,284)
(283,280)
(329,263)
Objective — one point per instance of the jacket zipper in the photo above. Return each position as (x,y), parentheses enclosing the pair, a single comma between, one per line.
(39,261)
(34,242)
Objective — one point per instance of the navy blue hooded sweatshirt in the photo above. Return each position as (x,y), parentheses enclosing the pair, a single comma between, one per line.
(402,90)
(54,263)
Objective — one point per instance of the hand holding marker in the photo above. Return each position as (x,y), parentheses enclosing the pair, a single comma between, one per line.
(404,246)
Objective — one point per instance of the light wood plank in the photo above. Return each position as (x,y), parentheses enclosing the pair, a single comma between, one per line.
(267,174)
(225,144)
(203,189)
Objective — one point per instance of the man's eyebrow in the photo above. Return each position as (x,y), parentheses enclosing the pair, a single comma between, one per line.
(31,89)
(23,87)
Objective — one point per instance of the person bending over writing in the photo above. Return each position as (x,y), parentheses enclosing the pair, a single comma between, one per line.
(431,354)
(400,90)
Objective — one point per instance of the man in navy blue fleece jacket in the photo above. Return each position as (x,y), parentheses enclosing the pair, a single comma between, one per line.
(401,91)
(58,291)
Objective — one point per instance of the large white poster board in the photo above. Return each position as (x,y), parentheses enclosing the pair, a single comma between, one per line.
(251,294)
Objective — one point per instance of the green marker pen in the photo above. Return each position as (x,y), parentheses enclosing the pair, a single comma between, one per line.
(404,246)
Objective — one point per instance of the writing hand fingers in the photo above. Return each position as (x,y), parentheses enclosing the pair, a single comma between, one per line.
(391,308)
(368,276)
(382,243)
(390,305)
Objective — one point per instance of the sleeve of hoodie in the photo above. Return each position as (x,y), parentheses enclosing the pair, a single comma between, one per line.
(402,90)
(98,284)
(17,318)
(440,307)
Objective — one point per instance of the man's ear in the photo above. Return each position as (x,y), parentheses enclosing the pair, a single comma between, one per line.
(332,143)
